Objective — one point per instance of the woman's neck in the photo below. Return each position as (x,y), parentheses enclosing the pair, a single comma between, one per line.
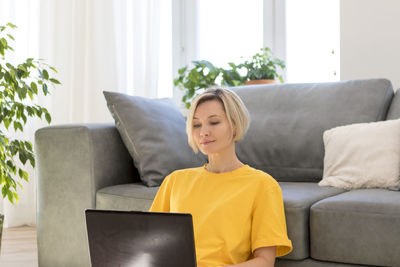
(219,164)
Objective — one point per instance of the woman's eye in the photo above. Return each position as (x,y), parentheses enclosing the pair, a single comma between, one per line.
(196,125)
(214,122)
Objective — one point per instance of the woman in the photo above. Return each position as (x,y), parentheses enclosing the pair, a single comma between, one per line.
(238,214)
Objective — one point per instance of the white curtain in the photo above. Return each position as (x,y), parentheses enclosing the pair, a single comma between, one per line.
(24,14)
(98,45)
(95,45)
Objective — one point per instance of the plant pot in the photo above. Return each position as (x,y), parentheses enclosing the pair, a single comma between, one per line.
(1,227)
(263,81)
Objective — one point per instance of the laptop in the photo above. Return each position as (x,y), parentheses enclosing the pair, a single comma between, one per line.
(143,239)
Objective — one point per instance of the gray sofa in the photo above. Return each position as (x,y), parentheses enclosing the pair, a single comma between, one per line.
(87,166)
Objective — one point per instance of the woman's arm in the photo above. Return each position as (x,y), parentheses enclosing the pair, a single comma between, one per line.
(263,257)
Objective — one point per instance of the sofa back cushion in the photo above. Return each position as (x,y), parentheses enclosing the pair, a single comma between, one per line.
(288,121)
(394,109)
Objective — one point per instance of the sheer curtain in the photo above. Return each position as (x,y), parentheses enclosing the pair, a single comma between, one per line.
(24,14)
(95,45)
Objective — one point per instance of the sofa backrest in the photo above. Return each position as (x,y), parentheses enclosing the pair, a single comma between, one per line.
(394,109)
(288,121)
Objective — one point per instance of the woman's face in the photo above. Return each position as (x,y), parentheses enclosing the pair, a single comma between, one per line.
(212,132)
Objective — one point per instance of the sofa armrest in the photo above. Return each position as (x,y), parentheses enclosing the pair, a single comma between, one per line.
(73,162)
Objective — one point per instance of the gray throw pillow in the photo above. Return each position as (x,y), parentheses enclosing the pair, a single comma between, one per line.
(153,130)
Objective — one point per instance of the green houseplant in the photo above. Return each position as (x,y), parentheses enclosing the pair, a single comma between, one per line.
(201,76)
(262,66)
(19,84)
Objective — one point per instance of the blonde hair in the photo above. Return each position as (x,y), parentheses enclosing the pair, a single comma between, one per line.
(235,110)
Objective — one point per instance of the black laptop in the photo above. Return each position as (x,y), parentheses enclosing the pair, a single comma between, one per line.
(143,239)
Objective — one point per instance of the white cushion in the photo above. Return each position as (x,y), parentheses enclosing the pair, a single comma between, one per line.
(363,155)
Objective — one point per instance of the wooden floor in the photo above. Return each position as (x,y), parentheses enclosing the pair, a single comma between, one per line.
(18,247)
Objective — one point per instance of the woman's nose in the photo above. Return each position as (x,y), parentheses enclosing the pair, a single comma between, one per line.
(204,131)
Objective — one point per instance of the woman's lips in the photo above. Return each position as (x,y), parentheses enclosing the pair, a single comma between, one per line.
(206,142)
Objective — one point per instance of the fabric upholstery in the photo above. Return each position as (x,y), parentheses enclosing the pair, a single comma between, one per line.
(311,263)
(73,162)
(298,198)
(135,196)
(79,165)
(394,110)
(360,226)
(154,133)
(287,122)
(362,155)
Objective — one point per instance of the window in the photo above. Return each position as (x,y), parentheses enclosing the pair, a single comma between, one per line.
(165,81)
(312,41)
(229,29)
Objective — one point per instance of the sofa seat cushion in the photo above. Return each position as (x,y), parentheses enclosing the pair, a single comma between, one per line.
(311,263)
(134,196)
(298,198)
(360,226)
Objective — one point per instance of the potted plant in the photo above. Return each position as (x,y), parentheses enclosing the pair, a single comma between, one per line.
(17,83)
(262,68)
(202,75)
(233,76)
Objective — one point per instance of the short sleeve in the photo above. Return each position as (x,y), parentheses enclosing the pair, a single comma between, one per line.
(268,220)
(161,202)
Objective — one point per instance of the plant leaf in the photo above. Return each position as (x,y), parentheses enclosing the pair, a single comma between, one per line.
(22,157)
(54,81)
(182,70)
(10,196)
(23,174)
(48,117)
(34,87)
(45,74)
(28,145)
(45,90)
(4,190)
(6,122)
(30,95)
(18,125)
(11,25)
(16,196)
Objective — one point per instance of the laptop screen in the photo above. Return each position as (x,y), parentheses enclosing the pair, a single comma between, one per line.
(144,239)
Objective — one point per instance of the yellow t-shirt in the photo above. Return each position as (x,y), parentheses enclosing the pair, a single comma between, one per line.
(233,213)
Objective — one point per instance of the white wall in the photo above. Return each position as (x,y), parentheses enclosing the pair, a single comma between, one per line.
(370,40)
